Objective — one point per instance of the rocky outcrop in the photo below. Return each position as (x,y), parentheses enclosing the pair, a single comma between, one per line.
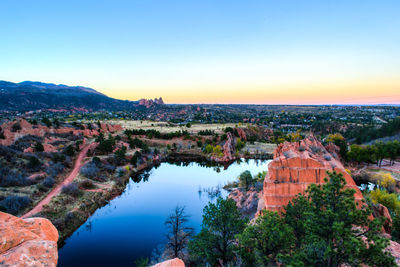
(394,250)
(171,263)
(241,133)
(297,165)
(11,134)
(334,150)
(381,211)
(246,201)
(27,242)
(229,148)
(150,102)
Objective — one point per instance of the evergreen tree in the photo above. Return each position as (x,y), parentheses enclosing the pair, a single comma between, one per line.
(260,244)
(336,230)
(215,244)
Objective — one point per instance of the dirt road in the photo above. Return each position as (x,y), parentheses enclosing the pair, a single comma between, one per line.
(57,189)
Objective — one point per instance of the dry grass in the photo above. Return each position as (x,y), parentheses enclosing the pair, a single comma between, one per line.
(165,127)
(258,148)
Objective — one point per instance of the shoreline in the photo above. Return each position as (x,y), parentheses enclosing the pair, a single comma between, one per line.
(102,198)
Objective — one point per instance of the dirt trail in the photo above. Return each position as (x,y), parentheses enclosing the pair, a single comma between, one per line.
(69,179)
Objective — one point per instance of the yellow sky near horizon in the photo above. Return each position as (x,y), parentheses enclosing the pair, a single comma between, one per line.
(368,91)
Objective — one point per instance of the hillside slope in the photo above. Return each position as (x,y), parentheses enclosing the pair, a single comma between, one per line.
(36,95)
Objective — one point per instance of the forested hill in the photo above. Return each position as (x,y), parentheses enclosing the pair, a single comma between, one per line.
(36,95)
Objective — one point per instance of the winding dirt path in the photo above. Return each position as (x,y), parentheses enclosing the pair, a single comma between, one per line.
(57,189)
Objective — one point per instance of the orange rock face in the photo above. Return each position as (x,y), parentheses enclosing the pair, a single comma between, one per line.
(297,165)
(171,263)
(229,148)
(27,242)
(381,211)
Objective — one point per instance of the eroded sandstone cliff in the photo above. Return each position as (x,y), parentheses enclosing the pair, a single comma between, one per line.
(27,242)
(297,165)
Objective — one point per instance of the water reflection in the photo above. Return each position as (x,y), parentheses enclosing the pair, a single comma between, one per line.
(132,225)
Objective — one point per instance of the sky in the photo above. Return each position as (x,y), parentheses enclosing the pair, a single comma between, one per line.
(208,51)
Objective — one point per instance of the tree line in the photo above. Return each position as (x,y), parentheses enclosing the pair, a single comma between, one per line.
(374,153)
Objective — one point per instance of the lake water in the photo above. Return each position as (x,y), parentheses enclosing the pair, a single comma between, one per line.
(132,225)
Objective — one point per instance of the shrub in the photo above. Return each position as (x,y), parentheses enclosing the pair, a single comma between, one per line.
(90,170)
(327,157)
(121,171)
(48,182)
(209,149)
(86,184)
(120,155)
(217,150)
(315,149)
(206,132)
(388,200)
(134,160)
(245,179)
(96,161)
(69,151)
(47,122)
(109,167)
(71,189)
(286,154)
(58,157)
(302,148)
(39,147)
(16,127)
(14,179)
(33,162)
(106,146)
(240,144)
(14,204)
(387,181)
(396,227)
(54,169)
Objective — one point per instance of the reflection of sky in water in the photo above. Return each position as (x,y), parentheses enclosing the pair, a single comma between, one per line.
(132,225)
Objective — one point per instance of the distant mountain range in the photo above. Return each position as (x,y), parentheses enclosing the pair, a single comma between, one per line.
(37,95)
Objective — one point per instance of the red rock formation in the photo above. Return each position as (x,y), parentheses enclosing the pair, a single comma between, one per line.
(49,148)
(150,102)
(103,127)
(171,263)
(334,150)
(159,101)
(246,201)
(381,211)
(297,165)
(241,133)
(228,148)
(27,242)
(394,249)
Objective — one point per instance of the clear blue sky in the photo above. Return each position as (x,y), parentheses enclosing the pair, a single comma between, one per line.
(208,51)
